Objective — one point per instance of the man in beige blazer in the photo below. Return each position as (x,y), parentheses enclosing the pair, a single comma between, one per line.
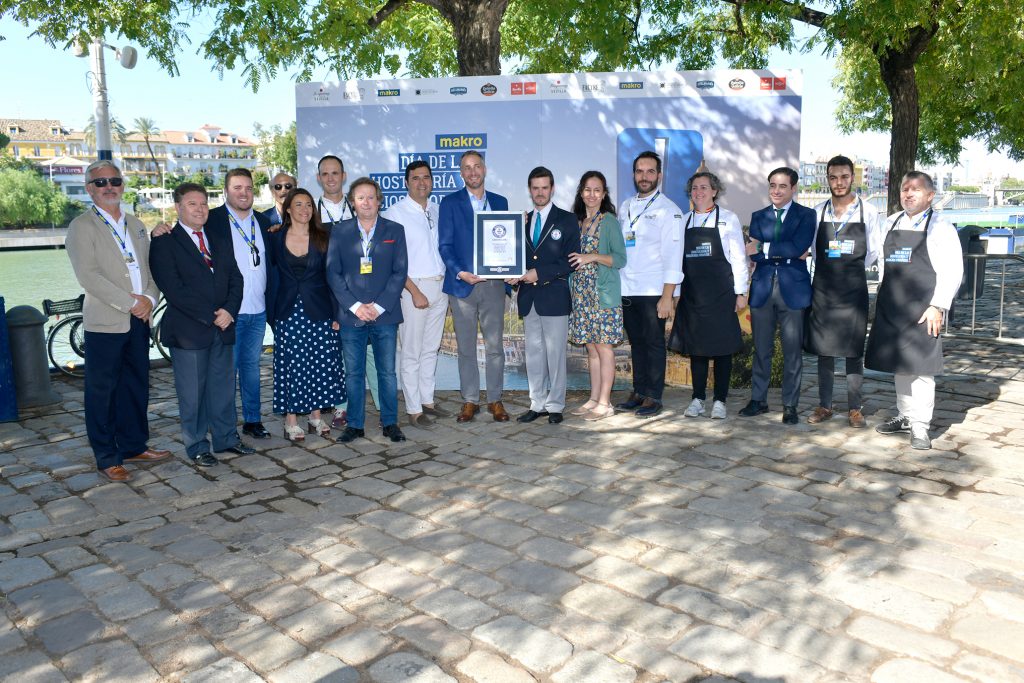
(109,252)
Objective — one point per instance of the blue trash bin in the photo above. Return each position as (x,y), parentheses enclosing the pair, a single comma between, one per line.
(8,396)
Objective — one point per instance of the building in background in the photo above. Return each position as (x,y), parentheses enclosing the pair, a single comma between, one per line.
(35,139)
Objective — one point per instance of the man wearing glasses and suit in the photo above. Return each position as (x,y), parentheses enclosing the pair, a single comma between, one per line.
(280,186)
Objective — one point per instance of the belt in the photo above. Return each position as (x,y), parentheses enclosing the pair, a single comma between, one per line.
(781,261)
(429,277)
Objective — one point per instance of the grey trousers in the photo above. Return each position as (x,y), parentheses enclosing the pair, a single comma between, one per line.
(484,305)
(547,338)
(204,380)
(791,328)
(854,381)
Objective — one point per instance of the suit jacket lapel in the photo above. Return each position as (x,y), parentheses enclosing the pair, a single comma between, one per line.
(190,247)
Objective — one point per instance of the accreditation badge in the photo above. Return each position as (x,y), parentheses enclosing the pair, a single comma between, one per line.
(366,265)
(631,238)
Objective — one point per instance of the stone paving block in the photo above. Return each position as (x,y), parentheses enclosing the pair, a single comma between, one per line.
(70,632)
(887,601)
(198,596)
(486,667)
(987,670)
(257,467)
(195,548)
(379,610)
(19,540)
(835,652)
(404,667)
(625,576)
(911,671)
(345,559)
(166,576)
(596,515)
(453,607)
(188,653)
(1004,604)
(539,578)
(280,600)
(714,608)
(497,531)
(110,661)
(482,556)
(358,647)
(338,589)
(18,572)
(66,559)
(605,604)
(315,623)
(586,633)
(154,627)
(238,574)
(730,653)
(535,648)
(432,637)
(225,670)
(466,580)
(555,552)
(229,620)
(992,634)
(901,639)
(29,666)
(126,602)
(657,661)
(414,559)
(396,524)
(369,487)
(46,600)
(315,667)
(534,608)
(263,648)
(394,581)
(594,667)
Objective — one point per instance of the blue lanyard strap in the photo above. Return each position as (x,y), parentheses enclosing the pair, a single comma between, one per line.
(249,241)
(849,216)
(925,217)
(320,206)
(689,220)
(113,231)
(632,221)
(593,221)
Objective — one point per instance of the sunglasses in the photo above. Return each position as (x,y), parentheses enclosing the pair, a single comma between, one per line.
(102,182)
(284,186)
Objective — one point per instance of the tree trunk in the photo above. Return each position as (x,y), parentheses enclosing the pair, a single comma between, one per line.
(900,80)
(476,25)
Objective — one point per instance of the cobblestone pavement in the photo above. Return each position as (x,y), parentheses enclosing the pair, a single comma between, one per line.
(672,549)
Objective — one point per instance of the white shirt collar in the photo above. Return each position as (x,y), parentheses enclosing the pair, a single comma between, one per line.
(120,222)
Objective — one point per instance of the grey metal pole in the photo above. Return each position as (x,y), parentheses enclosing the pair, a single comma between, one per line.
(101,108)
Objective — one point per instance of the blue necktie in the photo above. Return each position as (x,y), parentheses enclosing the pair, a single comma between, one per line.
(536,228)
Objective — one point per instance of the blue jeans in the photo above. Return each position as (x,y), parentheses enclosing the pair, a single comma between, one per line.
(384,340)
(250,329)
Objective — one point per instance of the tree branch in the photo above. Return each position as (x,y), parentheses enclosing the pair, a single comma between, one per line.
(803,13)
(384,12)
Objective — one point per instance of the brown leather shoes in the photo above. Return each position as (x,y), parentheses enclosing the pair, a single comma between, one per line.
(498,411)
(468,412)
(857,419)
(149,455)
(117,473)
(819,415)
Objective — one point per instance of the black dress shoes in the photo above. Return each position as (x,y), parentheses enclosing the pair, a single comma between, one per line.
(393,433)
(350,434)
(530,415)
(205,460)
(256,430)
(649,408)
(754,408)
(554,418)
(789,415)
(239,449)
(631,403)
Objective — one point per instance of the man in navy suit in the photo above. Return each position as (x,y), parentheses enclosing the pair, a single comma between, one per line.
(780,291)
(197,273)
(544,301)
(280,186)
(473,299)
(247,231)
(367,265)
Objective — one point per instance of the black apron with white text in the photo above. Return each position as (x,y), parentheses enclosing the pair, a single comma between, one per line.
(898,343)
(838,320)
(705,322)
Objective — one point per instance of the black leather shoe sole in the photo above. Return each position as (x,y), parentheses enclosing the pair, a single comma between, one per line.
(350,434)
(752,409)
(649,411)
(205,460)
(256,430)
(240,449)
(530,416)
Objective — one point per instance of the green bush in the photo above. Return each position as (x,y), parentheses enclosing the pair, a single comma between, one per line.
(27,199)
(743,362)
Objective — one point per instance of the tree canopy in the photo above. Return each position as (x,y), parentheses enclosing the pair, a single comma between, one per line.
(28,199)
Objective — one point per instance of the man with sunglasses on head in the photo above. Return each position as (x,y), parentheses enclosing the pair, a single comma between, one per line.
(280,186)
(109,252)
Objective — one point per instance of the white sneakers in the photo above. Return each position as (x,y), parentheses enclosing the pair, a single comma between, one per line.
(696,409)
(718,411)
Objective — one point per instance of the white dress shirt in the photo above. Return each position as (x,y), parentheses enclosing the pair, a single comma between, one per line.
(127,251)
(254,291)
(872,225)
(656,259)
(332,212)
(420,236)
(731,233)
(943,252)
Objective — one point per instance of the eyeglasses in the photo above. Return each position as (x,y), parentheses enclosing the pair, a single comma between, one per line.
(283,186)
(102,182)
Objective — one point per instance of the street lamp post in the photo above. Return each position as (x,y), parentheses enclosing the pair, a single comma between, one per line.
(127,56)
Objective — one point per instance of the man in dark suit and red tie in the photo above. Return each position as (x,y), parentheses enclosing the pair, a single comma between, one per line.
(198,275)
(780,291)
(544,301)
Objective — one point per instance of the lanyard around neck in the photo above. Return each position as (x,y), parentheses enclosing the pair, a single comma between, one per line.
(632,221)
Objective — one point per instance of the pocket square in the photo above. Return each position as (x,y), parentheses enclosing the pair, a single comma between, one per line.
(389,241)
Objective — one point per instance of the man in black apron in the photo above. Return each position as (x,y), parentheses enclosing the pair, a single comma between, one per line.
(847,242)
(920,272)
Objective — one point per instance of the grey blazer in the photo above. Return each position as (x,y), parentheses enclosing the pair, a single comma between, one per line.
(101,271)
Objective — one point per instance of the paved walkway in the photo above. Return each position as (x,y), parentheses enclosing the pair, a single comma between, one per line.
(661,550)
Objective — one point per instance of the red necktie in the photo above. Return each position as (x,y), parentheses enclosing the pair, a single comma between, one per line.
(203,250)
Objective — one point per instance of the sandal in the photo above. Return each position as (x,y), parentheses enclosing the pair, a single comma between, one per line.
(294,433)
(319,427)
(602,411)
(585,408)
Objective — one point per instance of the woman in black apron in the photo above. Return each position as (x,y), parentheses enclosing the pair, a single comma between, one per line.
(713,290)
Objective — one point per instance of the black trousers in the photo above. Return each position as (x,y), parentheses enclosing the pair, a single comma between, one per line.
(117,393)
(723,371)
(646,334)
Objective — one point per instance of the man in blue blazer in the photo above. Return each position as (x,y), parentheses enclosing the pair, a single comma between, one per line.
(474,300)
(197,273)
(367,265)
(780,291)
(544,302)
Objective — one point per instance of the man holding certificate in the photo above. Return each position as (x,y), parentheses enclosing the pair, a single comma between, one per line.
(544,301)
(474,300)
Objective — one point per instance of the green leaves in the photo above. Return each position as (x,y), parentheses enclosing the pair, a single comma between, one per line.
(26,199)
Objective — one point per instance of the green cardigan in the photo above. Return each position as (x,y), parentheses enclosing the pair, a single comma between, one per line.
(610,242)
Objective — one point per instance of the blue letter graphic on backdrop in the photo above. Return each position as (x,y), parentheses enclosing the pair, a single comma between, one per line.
(680,150)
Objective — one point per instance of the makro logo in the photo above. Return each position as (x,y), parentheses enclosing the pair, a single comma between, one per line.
(460,141)
(737,84)
(705,85)
(389,92)
(632,85)
(459,90)
(488,89)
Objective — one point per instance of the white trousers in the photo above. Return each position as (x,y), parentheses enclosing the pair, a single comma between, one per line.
(915,398)
(547,338)
(420,338)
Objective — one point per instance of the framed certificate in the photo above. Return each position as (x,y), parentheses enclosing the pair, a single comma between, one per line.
(499,244)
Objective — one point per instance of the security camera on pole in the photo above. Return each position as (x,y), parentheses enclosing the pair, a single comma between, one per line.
(127,56)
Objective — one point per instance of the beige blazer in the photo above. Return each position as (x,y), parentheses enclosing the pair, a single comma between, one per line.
(101,271)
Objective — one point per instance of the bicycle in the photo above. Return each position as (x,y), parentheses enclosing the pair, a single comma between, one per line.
(65,341)
(154,331)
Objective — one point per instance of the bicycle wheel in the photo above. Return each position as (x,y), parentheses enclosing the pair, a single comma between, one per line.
(154,330)
(66,346)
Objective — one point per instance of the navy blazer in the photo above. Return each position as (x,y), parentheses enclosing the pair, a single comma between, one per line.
(193,292)
(784,254)
(317,300)
(559,237)
(455,237)
(272,215)
(382,286)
